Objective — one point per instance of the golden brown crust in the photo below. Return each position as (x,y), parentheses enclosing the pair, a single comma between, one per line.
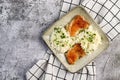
(74,53)
(77,24)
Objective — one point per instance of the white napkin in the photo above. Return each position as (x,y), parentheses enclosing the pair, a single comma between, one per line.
(107,14)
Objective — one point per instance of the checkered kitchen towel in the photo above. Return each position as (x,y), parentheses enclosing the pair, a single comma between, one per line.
(49,68)
(107,14)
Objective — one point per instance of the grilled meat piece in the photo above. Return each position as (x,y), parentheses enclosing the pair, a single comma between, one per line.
(77,23)
(74,53)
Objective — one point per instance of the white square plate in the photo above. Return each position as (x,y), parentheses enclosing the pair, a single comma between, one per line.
(62,22)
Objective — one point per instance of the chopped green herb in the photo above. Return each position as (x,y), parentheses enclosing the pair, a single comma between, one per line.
(87,52)
(94,34)
(63,45)
(55,28)
(58,30)
(81,30)
(87,32)
(90,39)
(82,38)
(92,50)
(57,42)
(101,38)
(63,35)
(70,45)
(55,39)
(91,36)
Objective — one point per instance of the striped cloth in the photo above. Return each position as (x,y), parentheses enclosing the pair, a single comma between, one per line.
(106,13)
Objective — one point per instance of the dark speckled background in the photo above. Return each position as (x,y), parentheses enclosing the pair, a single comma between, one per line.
(22,23)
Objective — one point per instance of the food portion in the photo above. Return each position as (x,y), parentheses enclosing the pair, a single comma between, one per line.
(77,23)
(75,40)
(75,53)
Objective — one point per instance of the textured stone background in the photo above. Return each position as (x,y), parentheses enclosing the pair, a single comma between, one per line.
(21,25)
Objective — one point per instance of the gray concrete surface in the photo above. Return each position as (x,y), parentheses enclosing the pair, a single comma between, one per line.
(21,25)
